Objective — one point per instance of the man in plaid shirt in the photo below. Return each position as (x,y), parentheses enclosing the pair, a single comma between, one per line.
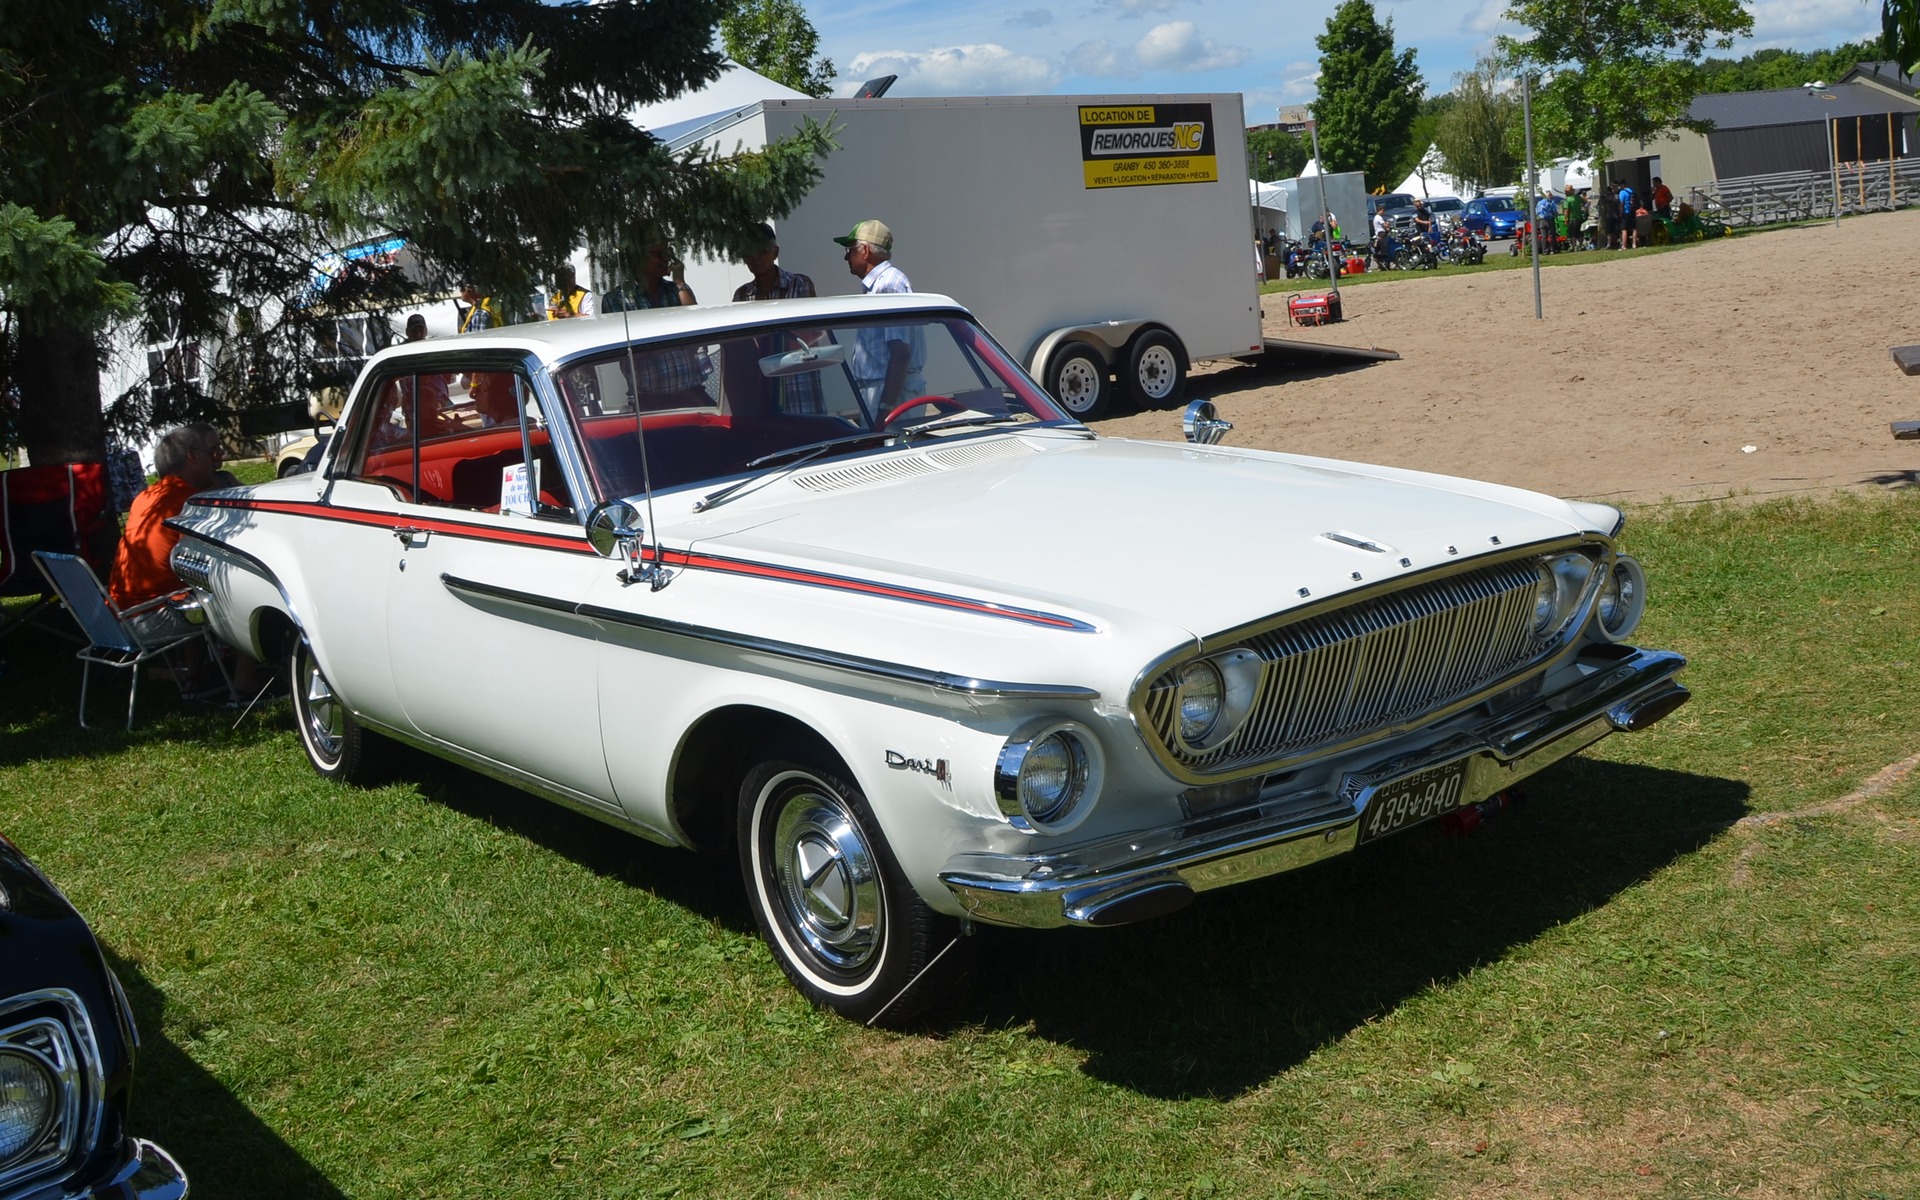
(798,394)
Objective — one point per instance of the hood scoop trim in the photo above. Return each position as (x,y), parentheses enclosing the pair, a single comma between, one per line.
(908,466)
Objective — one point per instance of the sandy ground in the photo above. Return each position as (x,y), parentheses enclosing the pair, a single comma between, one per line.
(1748,367)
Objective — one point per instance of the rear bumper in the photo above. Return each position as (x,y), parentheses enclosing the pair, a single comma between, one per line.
(1146,874)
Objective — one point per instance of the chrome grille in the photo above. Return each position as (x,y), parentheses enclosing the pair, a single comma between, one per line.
(1380,662)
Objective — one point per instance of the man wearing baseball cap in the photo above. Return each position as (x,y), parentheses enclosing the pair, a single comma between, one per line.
(886,360)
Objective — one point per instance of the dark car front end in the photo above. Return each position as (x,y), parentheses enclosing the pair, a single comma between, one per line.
(67,1046)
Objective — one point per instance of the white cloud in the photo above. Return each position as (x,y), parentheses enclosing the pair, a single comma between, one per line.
(1174,46)
(1178,46)
(1489,18)
(1300,80)
(1811,24)
(1032,18)
(982,70)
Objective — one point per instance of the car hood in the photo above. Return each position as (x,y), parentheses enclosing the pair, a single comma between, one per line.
(1203,538)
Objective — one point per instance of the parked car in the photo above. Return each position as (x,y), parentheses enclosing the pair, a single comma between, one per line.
(1493,217)
(67,1046)
(1446,209)
(1388,201)
(927,656)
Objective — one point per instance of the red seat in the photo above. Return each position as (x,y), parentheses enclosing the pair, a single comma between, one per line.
(61,508)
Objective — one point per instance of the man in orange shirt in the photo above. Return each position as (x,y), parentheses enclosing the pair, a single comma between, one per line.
(188,461)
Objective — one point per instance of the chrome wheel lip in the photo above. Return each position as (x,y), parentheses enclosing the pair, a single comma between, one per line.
(826,878)
(323,719)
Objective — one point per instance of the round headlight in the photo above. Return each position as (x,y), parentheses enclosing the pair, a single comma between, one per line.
(1201,694)
(28,1097)
(1048,776)
(1053,777)
(1623,598)
(1559,584)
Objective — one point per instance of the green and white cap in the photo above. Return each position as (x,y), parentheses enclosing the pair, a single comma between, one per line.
(873,233)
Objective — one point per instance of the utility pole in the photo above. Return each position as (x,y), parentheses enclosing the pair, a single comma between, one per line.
(1533,200)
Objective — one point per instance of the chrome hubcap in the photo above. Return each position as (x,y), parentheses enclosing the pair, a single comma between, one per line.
(828,880)
(1157,369)
(324,716)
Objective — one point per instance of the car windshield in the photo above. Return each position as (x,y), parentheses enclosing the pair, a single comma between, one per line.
(1445,204)
(1500,204)
(711,407)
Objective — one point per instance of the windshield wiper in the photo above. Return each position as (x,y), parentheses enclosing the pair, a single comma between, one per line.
(793,457)
(913,431)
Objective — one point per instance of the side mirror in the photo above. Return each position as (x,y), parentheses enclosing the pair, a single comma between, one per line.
(1202,423)
(613,528)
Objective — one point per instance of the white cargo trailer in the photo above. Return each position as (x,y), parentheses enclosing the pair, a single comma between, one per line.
(1097,237)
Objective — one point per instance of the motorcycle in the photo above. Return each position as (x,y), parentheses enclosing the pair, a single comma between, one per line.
(1463,248)
(1387,253)
(1422,255)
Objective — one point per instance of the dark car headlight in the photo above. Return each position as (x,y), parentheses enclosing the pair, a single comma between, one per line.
(29,1102)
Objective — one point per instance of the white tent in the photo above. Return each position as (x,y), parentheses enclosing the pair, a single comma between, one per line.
(1429,179)
(1266,195)
(737,88)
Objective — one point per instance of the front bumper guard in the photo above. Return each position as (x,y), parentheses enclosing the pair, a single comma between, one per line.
(1140,875)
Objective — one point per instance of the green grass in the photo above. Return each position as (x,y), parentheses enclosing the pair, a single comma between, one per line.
(445,988)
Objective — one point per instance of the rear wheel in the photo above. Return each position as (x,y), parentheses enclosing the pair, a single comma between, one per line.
(1156,370)
(336,744)
(1077,378)
(830,900)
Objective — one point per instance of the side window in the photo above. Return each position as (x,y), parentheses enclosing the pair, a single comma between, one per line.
(461,439)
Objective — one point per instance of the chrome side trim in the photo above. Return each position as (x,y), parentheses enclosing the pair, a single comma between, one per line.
(1142,871)
(810,655)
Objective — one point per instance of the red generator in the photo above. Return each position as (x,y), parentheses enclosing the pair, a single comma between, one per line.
(1313,308)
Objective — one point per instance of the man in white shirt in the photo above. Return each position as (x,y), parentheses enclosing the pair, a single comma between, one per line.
(886,361)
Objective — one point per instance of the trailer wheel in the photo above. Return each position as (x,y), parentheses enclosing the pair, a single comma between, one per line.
(1077,377)
(1156,369)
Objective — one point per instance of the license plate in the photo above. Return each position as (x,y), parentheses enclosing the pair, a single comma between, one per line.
(1413,799)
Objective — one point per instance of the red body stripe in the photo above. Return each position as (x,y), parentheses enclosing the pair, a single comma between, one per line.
(673,558)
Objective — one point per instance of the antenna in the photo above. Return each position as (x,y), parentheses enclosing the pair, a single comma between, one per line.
(655,574)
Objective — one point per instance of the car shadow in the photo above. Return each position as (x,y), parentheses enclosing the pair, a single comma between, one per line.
(707,884)
(1272,368)
(222,1146)
(1247,982)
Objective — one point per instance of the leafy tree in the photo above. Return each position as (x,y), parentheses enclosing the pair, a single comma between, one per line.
(1900,32)
(1616,68)
(1277,154)
(1417,154)
(1774,68)
(178,166)
(1477,133)
(1369,94)
(775,38)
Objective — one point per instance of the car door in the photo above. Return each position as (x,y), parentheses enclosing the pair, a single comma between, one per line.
(486,562)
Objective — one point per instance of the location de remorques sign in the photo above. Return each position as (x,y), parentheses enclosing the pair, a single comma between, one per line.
(1139,145)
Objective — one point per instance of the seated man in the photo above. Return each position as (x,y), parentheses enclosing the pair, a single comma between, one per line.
(188,460)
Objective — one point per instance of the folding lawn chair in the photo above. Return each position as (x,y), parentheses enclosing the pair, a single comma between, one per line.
(121,638)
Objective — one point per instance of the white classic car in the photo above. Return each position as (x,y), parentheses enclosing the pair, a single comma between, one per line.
(835,582)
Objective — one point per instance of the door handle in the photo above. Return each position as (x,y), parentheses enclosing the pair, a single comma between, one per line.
(407,534)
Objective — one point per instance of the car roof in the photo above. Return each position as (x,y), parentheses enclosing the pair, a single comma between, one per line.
(553,341)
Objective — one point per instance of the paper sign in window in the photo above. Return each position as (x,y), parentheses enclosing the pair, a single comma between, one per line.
(519,484)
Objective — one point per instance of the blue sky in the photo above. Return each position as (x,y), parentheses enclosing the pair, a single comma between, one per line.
(1263,50)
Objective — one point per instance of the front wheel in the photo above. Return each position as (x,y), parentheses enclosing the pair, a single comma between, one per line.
(336,743)
(830,901)
(1156,370)
(1077,378)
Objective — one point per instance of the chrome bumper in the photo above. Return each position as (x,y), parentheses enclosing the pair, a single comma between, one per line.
(1141,875)
(146,1173)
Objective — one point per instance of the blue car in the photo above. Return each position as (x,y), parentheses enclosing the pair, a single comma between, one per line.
(1493,217)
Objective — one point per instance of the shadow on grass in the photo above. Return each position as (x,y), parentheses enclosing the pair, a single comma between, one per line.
(1247,982)
(704,883)
(222,1146)
(40,705)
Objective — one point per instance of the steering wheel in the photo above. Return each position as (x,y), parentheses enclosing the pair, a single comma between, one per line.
(943,403)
